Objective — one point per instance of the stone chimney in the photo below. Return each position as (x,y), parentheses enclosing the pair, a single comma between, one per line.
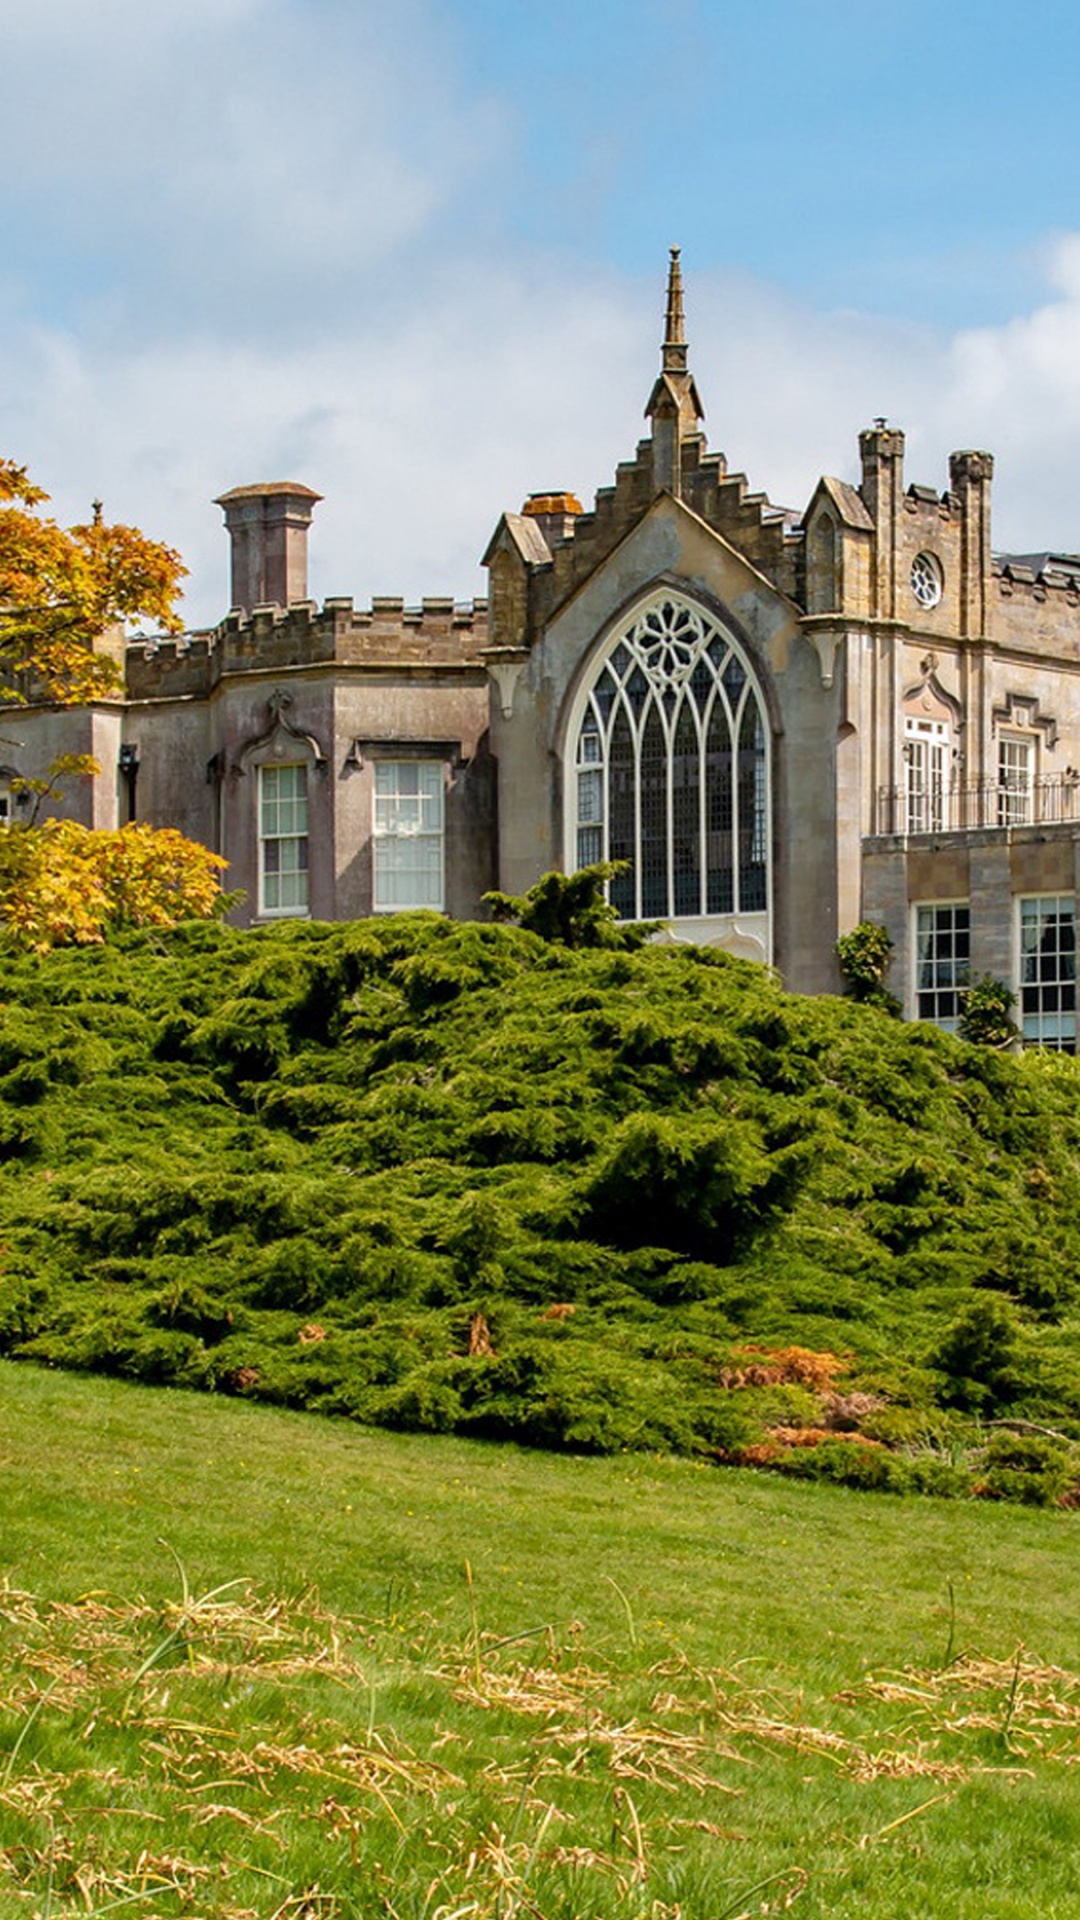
(268,529)
(554,513)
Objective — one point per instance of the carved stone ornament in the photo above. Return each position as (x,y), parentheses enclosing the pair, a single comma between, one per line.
(277,736)
(1022,711)
(505,664)
(825,641)
(928,696)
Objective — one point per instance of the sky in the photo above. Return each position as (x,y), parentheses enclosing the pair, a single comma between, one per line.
(413,255)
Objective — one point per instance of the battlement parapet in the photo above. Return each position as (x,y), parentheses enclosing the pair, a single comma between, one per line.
(925,500)
(169,668)
(763,532)
(1034,575)
(440,632)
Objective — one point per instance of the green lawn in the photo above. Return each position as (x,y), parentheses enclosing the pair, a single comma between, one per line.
(729,1694)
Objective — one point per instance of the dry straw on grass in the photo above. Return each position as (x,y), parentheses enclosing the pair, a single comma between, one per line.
(596,1777)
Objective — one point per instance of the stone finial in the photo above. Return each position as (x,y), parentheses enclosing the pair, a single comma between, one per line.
(674,350)
(969,467)
(674,404)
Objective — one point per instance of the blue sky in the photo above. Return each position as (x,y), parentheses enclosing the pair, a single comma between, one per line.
(901,158)
(414,256)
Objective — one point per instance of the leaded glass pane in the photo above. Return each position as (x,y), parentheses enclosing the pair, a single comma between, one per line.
(719,814)
(603,695)
(654,851)
(752,831)
(637,692)
(622,826)
(686,815)
(734,678)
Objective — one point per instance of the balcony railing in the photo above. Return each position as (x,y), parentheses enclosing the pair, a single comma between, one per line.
(1054,801)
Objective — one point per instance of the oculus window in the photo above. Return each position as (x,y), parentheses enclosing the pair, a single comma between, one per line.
(672,769)
(927,580)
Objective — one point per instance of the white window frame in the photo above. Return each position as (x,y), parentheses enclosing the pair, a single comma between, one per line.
(1015,779)
(1043,1023)
(951,973)
(286,870)
(927,746)
(408,835)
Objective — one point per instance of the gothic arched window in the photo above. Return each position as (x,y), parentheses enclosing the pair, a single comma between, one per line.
(671,758)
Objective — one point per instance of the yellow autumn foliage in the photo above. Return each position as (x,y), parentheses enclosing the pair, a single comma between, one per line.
(63,588)
(62,884)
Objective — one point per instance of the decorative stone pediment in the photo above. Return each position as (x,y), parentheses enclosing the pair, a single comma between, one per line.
(1023,712)
(278,739)
(928,699)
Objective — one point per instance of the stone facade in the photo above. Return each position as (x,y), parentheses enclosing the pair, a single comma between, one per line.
(784,723)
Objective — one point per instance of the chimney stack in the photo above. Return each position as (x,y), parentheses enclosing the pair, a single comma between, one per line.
(268,530)
(554,513)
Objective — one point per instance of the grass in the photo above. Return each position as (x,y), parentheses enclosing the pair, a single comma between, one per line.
(424,1677)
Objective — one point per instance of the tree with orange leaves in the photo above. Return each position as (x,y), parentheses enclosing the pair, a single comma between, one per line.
(61,592)
(62,589)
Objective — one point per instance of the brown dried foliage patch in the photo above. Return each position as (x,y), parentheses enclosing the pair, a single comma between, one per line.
(754,1366)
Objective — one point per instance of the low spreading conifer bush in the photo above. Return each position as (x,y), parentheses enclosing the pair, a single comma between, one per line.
(460,1178)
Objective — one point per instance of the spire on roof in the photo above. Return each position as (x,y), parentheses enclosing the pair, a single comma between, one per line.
(674,360)
(674,406)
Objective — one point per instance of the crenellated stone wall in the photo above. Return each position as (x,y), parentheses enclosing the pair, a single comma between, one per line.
(440,633)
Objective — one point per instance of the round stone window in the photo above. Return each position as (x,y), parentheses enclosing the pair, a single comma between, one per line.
(926,579)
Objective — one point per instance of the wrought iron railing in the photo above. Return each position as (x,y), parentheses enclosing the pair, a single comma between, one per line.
(1053,801)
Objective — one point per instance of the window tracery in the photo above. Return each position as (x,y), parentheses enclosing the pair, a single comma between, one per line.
(671,762)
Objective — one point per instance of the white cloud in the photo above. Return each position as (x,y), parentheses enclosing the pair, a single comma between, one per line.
(495,379)
(247,166)
(255,239)
(418,436)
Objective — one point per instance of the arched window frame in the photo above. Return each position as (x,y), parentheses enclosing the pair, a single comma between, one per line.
(670,692)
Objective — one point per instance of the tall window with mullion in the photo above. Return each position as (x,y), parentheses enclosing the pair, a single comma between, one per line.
(408,835)
(1016,780)
(1048,971)
(943,962)
(283,840)
(671,766)
(926,754)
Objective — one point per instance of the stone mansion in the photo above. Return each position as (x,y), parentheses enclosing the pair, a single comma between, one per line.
(782,723)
